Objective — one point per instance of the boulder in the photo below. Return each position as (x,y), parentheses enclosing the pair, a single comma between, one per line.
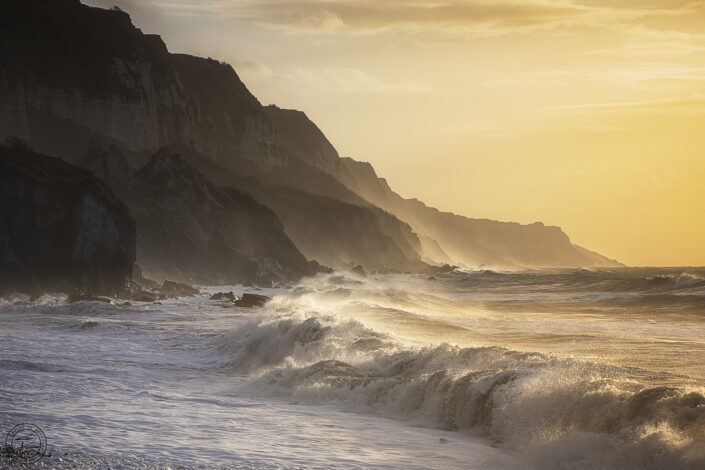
(228,296)
(138,277)
(86,298)
(358,271)
(146,296)
(178,289)
(252,300)
(446,268)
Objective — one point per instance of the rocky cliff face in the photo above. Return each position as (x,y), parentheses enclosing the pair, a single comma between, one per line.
(60,227)
(70,73)
(72,76)
(493,243)
(444,237)
(342,235)
(193,231)
(301,137)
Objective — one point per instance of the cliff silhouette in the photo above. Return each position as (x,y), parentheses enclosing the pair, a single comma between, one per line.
(76,81)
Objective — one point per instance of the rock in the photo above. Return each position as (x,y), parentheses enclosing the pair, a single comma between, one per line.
(61,228)
(190,229)
(146,296)
(177,289)
(229,296)
(86,298)
(252,300)
(446,268)
(138,277)
(136,292)
(358,271)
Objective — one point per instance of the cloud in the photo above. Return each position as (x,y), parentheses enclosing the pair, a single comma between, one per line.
(694,104)
(351,80)
(643,42)
(637,74)
(375,15)
(252,70)
(651,26)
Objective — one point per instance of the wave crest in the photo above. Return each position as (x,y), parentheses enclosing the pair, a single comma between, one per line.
(526,401)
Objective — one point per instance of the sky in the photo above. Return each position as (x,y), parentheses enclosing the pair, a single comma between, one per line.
(586,114)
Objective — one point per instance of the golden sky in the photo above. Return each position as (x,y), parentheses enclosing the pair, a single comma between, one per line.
(587,114)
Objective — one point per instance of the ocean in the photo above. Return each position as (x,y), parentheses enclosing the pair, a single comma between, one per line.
(541,369)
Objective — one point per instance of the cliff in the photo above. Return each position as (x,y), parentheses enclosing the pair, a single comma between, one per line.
(71,74)
(60,227)
(445,237)
(191,230)
(74,77)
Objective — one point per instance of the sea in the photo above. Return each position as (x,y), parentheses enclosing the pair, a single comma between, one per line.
(486,369)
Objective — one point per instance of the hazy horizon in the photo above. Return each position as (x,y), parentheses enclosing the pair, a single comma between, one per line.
(582,114)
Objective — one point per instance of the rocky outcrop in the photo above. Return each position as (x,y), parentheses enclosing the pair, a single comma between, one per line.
(252,300)
(224,296)
(178,289)
(247,300)
(61,228)
(191,230)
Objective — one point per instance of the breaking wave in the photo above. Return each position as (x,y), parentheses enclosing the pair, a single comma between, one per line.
(683,281)
(550,410)
(609,281)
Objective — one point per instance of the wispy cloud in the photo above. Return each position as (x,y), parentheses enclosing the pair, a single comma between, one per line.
(644,42)
(642,73)
(350,15)
(694,104)
(253,70)
(351,80)
(649,27)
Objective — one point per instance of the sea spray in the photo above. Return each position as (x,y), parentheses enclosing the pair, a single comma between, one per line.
(602,415)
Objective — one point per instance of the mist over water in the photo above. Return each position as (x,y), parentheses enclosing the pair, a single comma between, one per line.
(537,369)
